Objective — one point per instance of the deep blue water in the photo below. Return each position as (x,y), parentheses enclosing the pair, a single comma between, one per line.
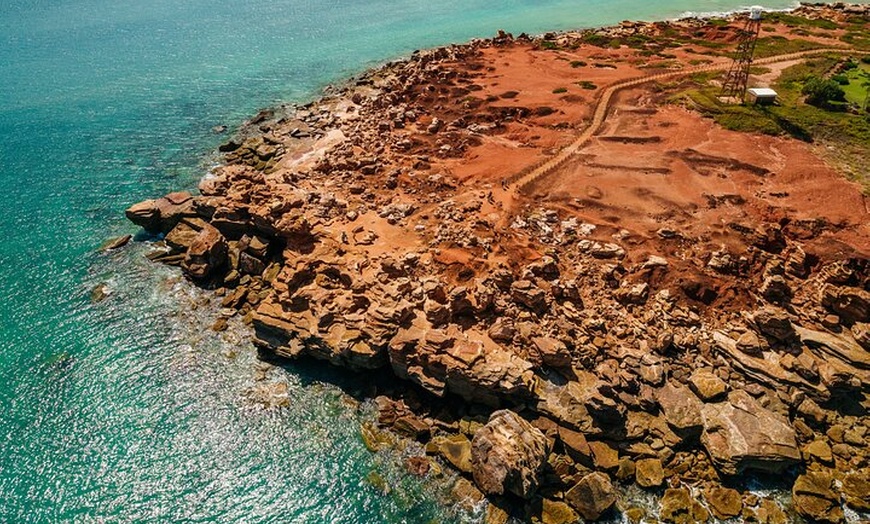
(124,411)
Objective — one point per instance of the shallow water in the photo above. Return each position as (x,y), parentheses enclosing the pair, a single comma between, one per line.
(125,411)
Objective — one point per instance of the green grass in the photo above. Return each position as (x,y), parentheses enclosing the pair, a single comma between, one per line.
(857,39)
(718,22)
(780,45)
(707,44)
(795,76)
(792,20)
(856,90)
(704,77)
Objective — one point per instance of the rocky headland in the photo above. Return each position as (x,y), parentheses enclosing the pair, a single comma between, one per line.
(676,306)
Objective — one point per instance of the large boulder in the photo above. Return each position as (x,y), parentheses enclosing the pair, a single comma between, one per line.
(526,293)
(553,352)
(774,323)
(815,497)
(741,434)
(707,385)
(181,237)
(681,409)
(162,214)
(592,495)
(508,455)
(649,473)
(206,254)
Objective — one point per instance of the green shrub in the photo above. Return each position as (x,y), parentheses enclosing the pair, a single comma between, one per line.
(559,90)
(596,39)
(840,79)
(821,93)
(578,63)
(546,44)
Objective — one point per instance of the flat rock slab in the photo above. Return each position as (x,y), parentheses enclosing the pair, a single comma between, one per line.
(741,434)
(681,408)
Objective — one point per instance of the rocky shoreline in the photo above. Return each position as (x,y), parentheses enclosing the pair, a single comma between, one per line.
(546,357)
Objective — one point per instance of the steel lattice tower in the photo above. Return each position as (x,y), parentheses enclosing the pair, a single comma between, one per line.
(735,82)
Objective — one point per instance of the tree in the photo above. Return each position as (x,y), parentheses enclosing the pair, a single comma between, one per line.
(821,92)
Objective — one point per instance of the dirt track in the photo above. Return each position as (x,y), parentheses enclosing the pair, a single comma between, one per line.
(524,179)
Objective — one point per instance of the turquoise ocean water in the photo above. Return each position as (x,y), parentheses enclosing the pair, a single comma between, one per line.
(128,410)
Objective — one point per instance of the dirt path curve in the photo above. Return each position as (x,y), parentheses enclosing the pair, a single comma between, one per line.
(525,178)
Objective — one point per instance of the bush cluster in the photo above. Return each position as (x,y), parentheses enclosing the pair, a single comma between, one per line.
(822,92)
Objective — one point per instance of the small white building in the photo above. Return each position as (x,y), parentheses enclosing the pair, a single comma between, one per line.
(761,95)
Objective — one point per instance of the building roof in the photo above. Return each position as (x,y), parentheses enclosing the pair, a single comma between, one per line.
(762,92)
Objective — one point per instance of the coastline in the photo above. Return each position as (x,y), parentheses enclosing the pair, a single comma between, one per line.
(288,234)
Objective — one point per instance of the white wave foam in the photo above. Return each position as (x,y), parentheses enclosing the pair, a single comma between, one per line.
(741,9)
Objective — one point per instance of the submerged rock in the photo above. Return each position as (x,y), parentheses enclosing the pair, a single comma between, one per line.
(116,243)
(418,466)
(456,449)
(99,293)
(269,395)
(679,507)
(768,512)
